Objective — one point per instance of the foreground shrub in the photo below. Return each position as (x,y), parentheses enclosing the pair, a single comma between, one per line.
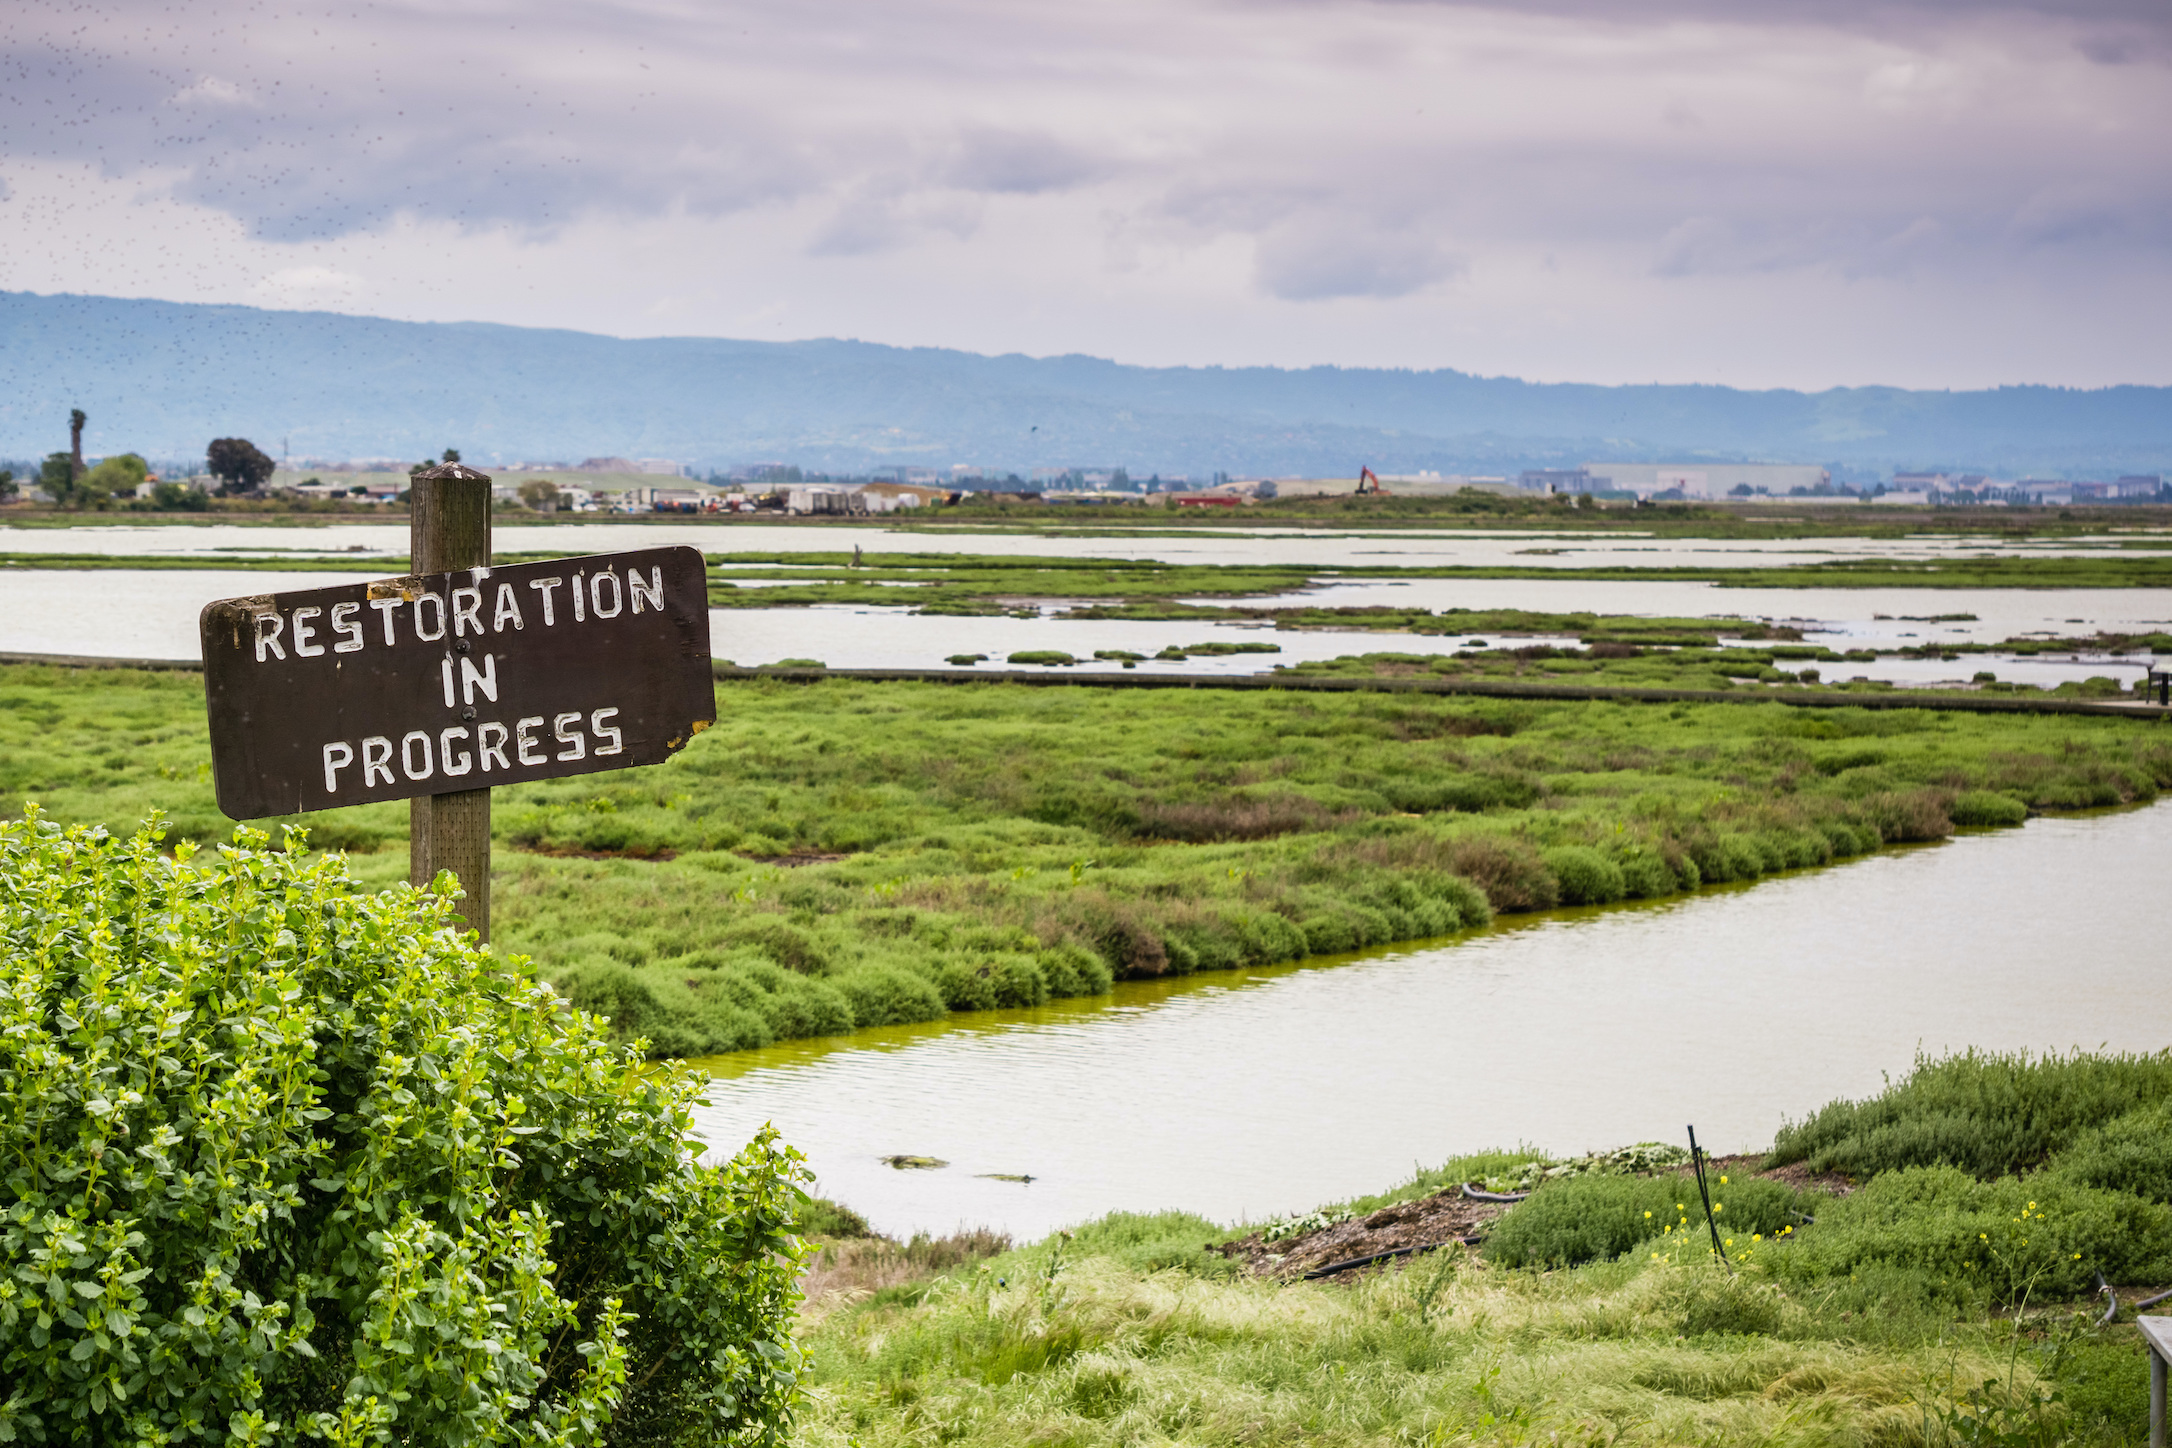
(2008,1238)
(287,1161)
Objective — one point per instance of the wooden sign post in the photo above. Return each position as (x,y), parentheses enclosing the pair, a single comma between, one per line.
(436,686)
(448,528)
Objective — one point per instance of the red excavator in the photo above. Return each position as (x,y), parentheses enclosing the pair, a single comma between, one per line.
(1369,482)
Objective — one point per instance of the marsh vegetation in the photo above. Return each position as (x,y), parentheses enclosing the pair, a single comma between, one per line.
(839,853)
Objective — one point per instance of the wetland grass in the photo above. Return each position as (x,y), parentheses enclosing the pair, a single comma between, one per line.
(839,853)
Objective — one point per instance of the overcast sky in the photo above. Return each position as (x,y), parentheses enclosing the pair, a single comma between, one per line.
(1750,192)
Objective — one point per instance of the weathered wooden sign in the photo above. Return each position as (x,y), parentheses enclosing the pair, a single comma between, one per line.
(446,682)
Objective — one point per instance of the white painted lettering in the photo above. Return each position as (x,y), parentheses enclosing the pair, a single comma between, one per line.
(604,731)
(459,763)
(385,606)
(269,625)
(437,605)
(334,764)
(303,633)
(490,744)
(579,607)
(544,587)
(408,767)
(444,671)
(595,594)
(576,744)
(508,608)
(652,589)
(487,680)
(467,611)
(344,625)
(376,759)
(524,741)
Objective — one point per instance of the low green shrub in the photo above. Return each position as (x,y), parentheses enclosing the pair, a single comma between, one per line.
(1593,1218)
(821,1217)
(2035,1235)
(1723,857)
(1987,1113)
(889,996)
(1644,875)
(316,1164)
(1984,808)
(2130,1153)
(1584,876)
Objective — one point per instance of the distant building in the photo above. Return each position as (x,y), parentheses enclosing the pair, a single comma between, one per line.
(1556,480)
(607,465)
(659,467)
(1705,480)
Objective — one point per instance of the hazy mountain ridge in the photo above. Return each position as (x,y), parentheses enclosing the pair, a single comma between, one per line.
(162,378)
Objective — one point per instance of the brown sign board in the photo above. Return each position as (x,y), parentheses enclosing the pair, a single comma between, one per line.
(443,682)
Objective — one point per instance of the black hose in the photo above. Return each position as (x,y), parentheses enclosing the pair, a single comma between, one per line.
(2113,1297)
(1333,1267)
(1477,1194)
(2152,1301)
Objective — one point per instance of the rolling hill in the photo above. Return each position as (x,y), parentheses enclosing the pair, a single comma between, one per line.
(162,378)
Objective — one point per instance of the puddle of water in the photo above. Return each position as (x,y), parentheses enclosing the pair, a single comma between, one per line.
(1267,1092)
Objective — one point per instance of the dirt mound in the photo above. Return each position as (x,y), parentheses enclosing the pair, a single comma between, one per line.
(1445,1219)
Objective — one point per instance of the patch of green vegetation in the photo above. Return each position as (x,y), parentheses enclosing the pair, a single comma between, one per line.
(1598,1217)
(1617,665)
(839,853)
(1986,1113)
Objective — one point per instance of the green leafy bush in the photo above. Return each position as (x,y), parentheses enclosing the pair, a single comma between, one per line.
(1591,1218)
(1984,808)
(1585,876)
(1986,1113)
(2009,1237)
(290,1161)
(2131,1153)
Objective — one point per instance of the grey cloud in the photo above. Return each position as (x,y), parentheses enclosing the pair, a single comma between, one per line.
(1322,258)
(1194,121)
(1873,16)
(1018,163)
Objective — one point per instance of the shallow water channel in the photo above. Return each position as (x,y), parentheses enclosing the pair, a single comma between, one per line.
(1253,1094)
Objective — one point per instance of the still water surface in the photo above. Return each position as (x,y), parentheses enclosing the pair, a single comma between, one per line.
(149,614)
(1300,547)
(1258,1093)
